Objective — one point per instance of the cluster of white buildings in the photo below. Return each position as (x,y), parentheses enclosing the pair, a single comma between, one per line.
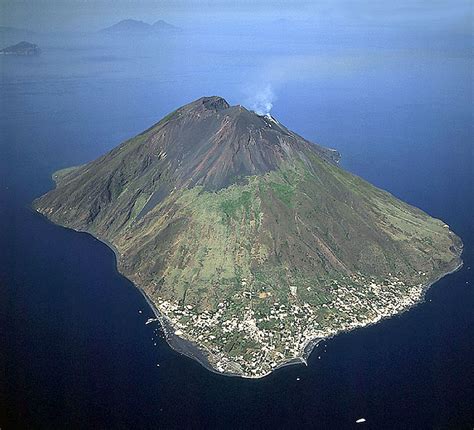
(240,338)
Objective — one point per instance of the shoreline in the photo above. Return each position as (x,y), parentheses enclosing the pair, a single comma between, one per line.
(192,350)
(181,345)
(308,348)
(313,343)
(307,352)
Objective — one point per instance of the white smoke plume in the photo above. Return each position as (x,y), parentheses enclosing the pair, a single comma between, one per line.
(262,100)
(260,93)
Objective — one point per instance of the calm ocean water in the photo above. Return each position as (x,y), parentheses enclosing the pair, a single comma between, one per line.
(74,347)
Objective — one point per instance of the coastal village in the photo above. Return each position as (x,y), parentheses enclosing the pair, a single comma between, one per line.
(254,343)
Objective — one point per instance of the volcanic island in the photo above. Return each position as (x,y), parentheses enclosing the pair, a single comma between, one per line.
(250,242)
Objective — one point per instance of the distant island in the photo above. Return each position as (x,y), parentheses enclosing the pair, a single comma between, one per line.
(21,49)
(250,243)
(132,26)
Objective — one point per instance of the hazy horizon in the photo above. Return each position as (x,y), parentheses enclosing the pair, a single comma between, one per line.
(74,15)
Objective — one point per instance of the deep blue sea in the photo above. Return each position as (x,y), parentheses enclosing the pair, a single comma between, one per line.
(75,352)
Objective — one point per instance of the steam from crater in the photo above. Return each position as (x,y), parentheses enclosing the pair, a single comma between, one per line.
(262,100)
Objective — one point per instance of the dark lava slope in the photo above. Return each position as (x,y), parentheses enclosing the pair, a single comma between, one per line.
(206,142)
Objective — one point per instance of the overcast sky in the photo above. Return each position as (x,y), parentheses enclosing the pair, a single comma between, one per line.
(77,15)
